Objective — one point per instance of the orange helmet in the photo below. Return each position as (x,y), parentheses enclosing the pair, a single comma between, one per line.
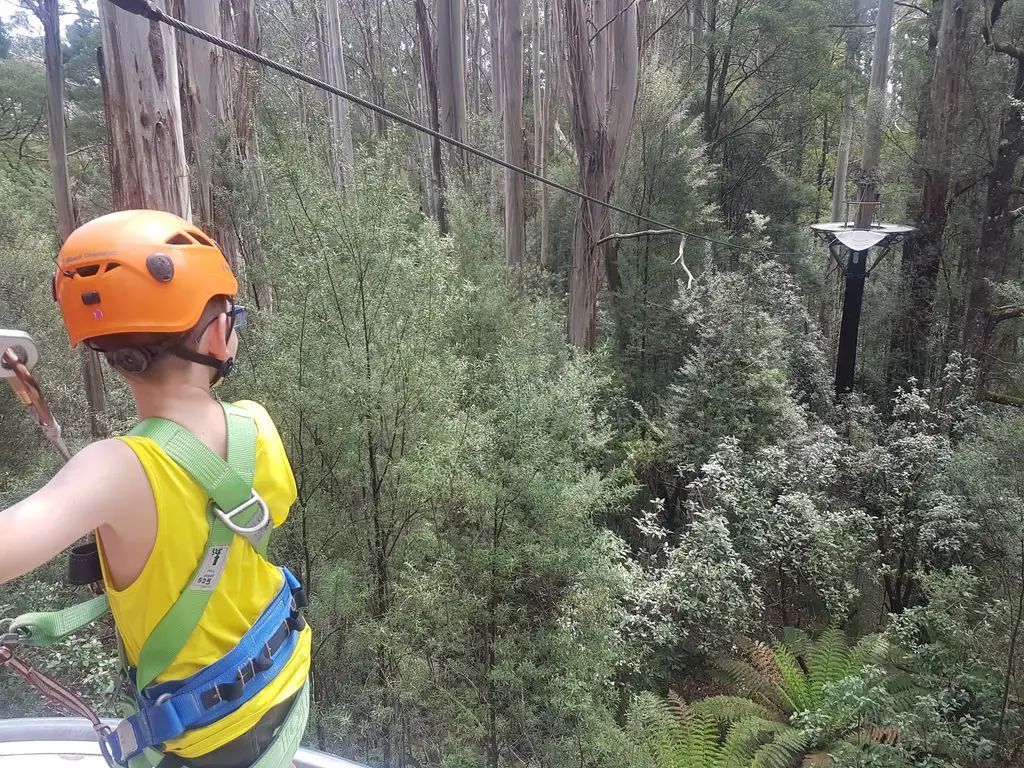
(138,272)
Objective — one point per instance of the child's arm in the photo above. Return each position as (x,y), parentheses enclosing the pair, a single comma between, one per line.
(100,486)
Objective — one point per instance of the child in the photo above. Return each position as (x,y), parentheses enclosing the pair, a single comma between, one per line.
(154,295)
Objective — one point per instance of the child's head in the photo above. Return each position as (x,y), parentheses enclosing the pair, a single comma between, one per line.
(150,291)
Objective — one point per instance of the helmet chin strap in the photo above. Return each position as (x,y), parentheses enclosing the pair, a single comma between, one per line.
(221,367)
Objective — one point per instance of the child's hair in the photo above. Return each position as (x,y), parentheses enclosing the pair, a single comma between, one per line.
(145,355)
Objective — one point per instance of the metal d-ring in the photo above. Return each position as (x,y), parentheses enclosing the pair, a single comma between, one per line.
(7,637)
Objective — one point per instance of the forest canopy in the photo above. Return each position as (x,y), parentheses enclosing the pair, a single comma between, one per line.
(576,485)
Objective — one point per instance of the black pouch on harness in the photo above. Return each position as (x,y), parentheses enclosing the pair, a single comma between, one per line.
(84,565)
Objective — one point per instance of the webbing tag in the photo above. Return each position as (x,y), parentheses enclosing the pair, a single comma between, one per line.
(213,566)
(126,741)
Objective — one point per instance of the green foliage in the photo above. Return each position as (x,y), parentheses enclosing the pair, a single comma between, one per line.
(508,546)
(440,430)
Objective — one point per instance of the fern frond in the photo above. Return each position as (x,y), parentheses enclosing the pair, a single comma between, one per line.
(786,751)
(674,734)
(828,661)
(870,649)
(796,687)
(759,655)
(747,680)
(745,738)
(727,709)
(797,640)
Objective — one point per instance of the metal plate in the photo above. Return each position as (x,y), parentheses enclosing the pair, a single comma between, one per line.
(22,344)
(862,239)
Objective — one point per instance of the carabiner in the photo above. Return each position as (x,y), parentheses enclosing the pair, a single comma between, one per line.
(7,637)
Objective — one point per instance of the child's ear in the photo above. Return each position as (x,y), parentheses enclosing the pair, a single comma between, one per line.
(214,341)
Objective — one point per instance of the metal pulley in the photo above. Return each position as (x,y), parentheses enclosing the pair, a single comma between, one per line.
(18,356)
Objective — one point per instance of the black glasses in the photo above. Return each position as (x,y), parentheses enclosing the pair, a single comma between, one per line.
(239,316)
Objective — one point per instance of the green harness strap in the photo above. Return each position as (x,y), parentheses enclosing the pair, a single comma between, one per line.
(229,485)
(49,627)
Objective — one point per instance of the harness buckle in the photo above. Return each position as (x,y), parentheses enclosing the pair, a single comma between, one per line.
(12,636)
(242,530)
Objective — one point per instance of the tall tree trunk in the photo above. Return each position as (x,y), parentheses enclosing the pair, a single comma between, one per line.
(330,47)
(512,123)
(218,97)
(205,110)
(846,125)
(246,82)
(494,33)
(451,66)
(535,83)
(995,252)
(147,153)
(477,56)
(428,69)
(912,331)
(548,102)
(867,184)
(48,12)
(603,105)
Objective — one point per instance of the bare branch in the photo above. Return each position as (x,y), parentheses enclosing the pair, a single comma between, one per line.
(1002,398)
(918,8)
(1016,213)
(987,33)
(663,24)
(610,21)
(628,235)
(1007,312)
(681,261)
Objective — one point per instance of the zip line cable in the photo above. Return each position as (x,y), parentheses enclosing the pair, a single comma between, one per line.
(147,10)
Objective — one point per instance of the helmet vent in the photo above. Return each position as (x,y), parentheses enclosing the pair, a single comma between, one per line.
(88,271)
(180,239)
(112,266)
(200,238)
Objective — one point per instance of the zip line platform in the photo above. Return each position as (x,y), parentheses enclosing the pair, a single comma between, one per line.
(67,742)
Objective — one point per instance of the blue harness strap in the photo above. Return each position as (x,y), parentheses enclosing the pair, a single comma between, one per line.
(168,710)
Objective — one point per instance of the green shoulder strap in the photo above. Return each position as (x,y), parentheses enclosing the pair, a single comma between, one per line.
(229,485)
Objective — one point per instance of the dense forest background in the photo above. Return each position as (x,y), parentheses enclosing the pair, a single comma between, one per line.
(568,498)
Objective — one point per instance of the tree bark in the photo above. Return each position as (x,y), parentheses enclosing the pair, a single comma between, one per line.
(867,184)
(511,44)
(428,70)
(48,12)
(493,31)
(846,125)
(935,153)
(548,102)
(603,105)
(995,252)
(451,65)
(147,152)
(332,66)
